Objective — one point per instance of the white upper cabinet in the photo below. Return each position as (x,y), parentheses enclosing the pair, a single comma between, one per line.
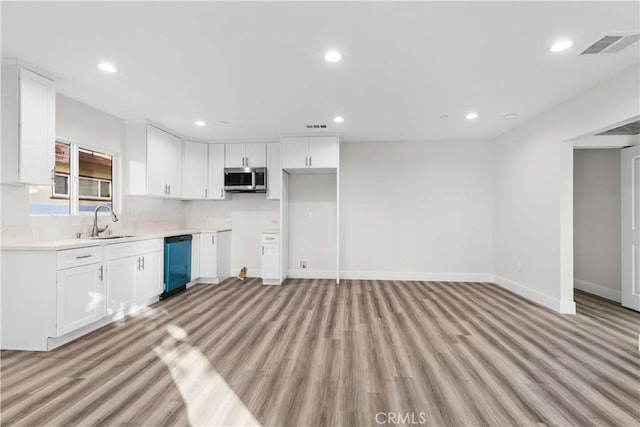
(323,152)
(315,152)
(28,126)
(252,155)
(274,171)
(216,172)
(295,152)
(195,170)
(256,155)
(153,161)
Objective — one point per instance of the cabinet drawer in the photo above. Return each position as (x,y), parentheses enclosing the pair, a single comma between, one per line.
(152,245)
(270,238)
(78,257)
(121,250)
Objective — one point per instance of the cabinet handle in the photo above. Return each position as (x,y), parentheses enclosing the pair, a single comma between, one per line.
(143,263)
(139,268)
(205,193)
(169,188)
(83,256)
(310,160)
(101,269)
(213,241)
(306,162)
(263,250)
(221,193)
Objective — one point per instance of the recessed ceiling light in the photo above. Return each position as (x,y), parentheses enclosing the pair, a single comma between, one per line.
(332,56)
(223,122)
(107,67)
(561,45)
(444,116)
(510,116)
(338,119)
(472,116)
(200,123)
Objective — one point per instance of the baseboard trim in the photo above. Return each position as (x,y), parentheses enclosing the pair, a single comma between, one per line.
(312,274)
(416,276)
(599,290)
(561,306)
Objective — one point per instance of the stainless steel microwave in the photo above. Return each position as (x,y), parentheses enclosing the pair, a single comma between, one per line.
(245,180)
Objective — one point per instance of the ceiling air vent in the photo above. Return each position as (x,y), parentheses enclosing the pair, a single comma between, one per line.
(632,128)
(316,126)
(611,43)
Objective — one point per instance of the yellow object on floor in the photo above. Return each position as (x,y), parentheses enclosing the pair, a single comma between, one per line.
(243,273)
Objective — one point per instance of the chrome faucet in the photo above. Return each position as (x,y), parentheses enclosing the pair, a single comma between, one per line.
(95,231)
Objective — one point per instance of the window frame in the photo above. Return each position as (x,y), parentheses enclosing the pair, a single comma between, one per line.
(74,178)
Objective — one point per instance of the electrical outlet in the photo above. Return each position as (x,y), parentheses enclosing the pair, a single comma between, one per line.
(303,264)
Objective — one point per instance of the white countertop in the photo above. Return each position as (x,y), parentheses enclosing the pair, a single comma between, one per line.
(56,245)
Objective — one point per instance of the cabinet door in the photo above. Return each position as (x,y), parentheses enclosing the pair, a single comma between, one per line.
(80,297)
(256,154)
(208,255)
(323,152)
(37,128)
(121,283)
(270,261)
(149,283)
(157,148)
(274,171)
(173,166)
(216,172)
(194,183)
(295,152)
(234,155)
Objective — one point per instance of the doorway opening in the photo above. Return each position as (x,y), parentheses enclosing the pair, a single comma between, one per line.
(605,214)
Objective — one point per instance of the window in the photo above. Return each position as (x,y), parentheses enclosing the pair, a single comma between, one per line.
(82,179)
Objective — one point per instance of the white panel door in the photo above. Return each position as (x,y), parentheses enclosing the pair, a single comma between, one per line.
(234,155)
(323,152)
(216,172)
(274,171)
(271,262)
(630,166)
(208,255)
(256,155)
(80,297)
(157,147)
(37,128)
(194,164)
(295,152)
(149,283)
(173,166)
(121,283)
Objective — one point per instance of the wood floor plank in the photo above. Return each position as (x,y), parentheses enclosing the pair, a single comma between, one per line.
(309,353)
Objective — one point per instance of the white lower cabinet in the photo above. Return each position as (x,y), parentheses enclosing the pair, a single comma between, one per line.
(195,256)
(270,259)
(121,283)
(80,297)
(215,256)
(134,273)
(149,282)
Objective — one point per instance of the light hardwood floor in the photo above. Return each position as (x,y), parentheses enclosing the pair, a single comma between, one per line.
(308,353)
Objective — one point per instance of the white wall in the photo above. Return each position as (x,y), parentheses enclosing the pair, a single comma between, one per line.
(312,224)
(83,124)
(533,247)
(417,210)
(249,215)
(596,213)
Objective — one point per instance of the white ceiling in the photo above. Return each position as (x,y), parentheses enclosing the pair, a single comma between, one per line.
(260,66)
